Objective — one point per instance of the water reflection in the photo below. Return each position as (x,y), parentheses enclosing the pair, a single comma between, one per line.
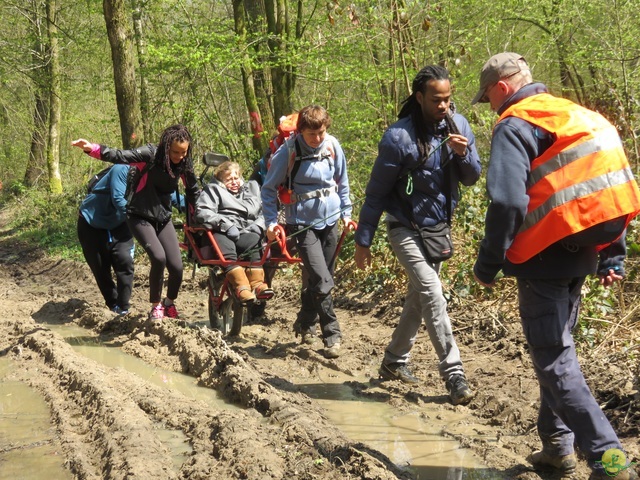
(413,440)
(107,354)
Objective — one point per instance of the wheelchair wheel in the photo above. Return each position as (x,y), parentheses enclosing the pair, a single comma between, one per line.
(225,318)
(214,290)
(241,315)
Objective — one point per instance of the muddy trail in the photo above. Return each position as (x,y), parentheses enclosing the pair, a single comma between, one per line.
(105,422)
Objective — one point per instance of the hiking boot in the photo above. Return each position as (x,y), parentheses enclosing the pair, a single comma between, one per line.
(238,279)
(397,371)
(261,290)
(157,313)
(545,461)
(119,311)
(333,351)
(459,391)
(627,474)
(171,311)
(309,338)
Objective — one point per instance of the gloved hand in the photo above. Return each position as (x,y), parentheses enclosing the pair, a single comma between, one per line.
(233,233)
(255,228)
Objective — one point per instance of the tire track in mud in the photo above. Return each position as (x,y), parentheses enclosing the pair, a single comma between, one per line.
(107,418)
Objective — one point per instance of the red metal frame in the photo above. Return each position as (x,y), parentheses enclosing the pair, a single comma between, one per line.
(219,260)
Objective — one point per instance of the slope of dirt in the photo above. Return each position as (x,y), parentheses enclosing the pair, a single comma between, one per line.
(106,419)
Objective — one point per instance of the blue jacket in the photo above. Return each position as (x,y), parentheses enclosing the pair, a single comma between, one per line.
(105,207)
(398,155)
(312,175)
(514,145)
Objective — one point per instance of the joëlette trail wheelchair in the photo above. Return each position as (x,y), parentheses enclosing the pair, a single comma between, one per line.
(226,312)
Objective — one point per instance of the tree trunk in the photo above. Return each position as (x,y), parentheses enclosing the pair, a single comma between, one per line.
(261,77)
(37,162)
(282,75)
(53,150)
(259,141)
(145,108)
(119,32)
(37,152)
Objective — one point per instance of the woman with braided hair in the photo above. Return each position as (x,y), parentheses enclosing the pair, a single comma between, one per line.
(149,207)
(421,160)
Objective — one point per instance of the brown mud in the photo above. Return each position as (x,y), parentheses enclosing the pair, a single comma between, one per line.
(106,420)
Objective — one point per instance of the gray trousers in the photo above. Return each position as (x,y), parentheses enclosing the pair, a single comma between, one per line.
(424,301)
(568,412)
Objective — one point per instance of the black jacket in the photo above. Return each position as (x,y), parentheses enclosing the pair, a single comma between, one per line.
(153,202)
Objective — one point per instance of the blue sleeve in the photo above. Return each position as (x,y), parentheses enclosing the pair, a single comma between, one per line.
(178,203)
(276,174)
(469,166)
(386,170)
(512,145)
(612,256)
(342,180)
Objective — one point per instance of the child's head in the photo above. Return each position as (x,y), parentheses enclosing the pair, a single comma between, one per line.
(230,174)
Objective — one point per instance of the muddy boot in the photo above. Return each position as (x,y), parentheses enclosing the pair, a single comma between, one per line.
(240,283)
(259,287)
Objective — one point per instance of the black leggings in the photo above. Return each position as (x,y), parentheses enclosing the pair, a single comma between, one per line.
(161,244)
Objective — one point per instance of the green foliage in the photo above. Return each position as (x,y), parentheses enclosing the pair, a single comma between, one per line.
(358,60)
(49,221)
(17,188)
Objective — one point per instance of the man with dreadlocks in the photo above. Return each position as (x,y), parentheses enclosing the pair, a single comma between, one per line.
(149,209)
(421,160)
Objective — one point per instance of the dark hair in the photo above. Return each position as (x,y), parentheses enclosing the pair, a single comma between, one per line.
(172,134)
(313,117)
(412,107)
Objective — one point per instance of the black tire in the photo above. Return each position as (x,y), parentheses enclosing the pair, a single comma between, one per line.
(241,315)
(258,308)
(226,318)
(215,283)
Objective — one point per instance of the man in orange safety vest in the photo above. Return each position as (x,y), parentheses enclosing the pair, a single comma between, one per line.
(562,194)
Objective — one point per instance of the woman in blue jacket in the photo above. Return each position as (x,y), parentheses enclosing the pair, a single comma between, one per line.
(308,175)
(107,243)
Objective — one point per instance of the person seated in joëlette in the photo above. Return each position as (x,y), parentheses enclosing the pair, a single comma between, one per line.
(232,210)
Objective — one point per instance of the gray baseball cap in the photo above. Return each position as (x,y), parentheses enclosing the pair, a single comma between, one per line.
(499,66)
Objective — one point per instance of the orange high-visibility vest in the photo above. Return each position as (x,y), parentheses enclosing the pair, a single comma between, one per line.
(582,180)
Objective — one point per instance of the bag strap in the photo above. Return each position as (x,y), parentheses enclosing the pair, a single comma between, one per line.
(296,158)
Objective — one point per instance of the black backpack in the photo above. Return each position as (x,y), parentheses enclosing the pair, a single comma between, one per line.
(96,178)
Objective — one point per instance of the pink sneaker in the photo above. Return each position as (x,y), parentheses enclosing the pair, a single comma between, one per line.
(157,313)
(171,311)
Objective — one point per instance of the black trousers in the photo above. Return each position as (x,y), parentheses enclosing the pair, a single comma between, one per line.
(317,249)
(107,250)
(245,249)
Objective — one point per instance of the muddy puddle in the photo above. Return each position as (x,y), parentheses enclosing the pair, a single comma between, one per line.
(412,440)
(28,445)
(88,344)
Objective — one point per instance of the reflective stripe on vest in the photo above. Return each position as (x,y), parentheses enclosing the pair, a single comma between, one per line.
(582,180)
